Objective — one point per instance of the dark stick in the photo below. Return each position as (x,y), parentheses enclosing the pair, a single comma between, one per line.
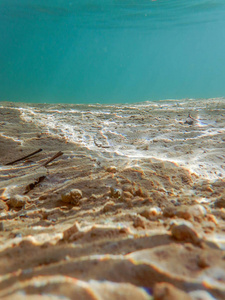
(52,158)
(24,157)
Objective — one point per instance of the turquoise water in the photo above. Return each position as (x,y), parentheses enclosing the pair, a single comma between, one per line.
(105,51)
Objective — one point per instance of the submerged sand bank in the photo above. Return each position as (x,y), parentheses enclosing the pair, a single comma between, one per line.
(137,198)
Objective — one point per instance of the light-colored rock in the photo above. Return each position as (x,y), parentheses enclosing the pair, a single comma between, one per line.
(128,188)
(197,210)
(111,169)
(139,221)
(166,291)
(151,214)
(70,231)
(109,206)
(183,213)
(72,197)
(184,232)
(18,201)
(127,195)
(66,198)
(115,193)
(76,194)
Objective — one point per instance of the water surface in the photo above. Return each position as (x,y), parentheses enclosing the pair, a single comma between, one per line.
(111,51)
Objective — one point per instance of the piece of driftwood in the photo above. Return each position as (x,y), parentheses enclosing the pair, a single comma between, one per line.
(24,157)
(52,158)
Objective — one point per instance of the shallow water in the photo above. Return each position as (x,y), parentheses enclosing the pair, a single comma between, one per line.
(161,130)
(111,51)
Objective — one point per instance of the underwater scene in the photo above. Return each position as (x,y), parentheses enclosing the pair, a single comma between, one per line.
(112,149)
(111,51)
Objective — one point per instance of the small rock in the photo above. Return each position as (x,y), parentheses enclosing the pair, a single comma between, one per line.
(212,218)
(72,197)
(70,231)
(184,232)
(115,193)
(158,196)
(66,197)
(166,291)
(169,212)
(151,214)
(220,203)
(127,195)
(139,222)
(141,192)
(183,213)
(111,169)
(189,121)
(145,213)
(93,197)
(202,261)
(197,210)
(18,201)
(109,206)
(128,188)
(76,194)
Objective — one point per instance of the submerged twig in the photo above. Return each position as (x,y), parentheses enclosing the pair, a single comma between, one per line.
(52,158)
(24,157)
(192,118)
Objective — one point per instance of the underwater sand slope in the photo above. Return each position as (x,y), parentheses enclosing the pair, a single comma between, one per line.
(96,223)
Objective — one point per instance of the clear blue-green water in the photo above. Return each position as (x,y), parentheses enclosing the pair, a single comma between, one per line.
(88,51)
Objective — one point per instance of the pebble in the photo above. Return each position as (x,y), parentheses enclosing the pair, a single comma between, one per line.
(139,221)
(109,206)
(189,121)
(166,291)
(115,193)
(70,231)
(184,232)
(203,261)
(220,203)
(18,201)
(72,197)
(197,210)
(183,213)
(151,214)
(169,212)
(128,188)
(141,192)
(127,195)
(111,169)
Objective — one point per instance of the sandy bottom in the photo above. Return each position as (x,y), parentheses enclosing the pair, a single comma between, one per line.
(134,208)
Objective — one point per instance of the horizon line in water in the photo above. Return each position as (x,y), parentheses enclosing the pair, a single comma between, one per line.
(183,99)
